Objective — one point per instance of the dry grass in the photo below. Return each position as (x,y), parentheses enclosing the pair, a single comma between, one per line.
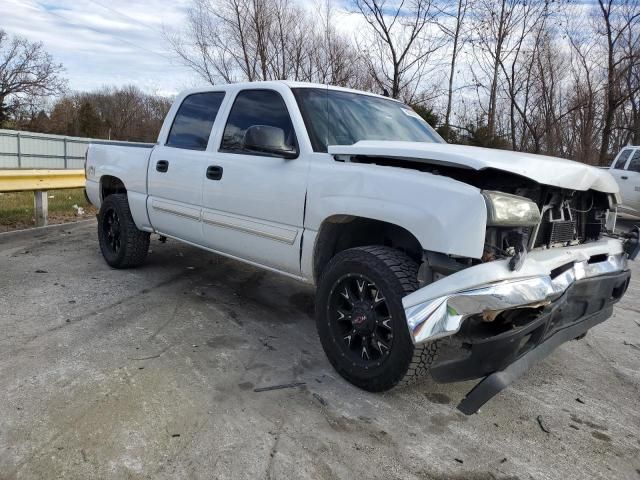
(17,209)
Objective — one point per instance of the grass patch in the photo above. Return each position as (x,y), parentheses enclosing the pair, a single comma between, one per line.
(17,209)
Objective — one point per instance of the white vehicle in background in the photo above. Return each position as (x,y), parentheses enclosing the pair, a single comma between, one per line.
(452,260)
(625,168)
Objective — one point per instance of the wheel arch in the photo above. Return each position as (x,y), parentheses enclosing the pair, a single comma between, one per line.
(340,232)
(110,185)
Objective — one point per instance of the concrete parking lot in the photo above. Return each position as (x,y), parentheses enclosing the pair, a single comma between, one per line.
(151,373)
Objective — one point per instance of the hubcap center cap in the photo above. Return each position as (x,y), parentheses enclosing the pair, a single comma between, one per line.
(362,320)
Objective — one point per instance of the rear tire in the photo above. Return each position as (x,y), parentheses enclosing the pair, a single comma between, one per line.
(361,321)
(121,243)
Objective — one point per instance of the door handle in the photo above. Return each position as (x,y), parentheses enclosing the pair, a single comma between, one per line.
(162,166)
(624,177)
(214,172)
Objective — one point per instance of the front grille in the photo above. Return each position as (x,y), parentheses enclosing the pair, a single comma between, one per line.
(561,231)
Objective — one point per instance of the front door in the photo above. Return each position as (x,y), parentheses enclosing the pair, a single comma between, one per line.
(177,169)
(253,203)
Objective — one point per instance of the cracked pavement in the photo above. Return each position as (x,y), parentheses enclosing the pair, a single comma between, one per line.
(150,373)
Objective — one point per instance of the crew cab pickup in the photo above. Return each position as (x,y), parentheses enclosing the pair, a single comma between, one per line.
(625,168)
(457,261)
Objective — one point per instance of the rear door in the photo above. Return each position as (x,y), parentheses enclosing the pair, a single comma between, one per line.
(253,203)
(177,169)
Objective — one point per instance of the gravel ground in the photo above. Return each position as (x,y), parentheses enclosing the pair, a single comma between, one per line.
(150,373)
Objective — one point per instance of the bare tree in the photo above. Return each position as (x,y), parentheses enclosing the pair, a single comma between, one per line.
(402,42)
(619,20)
(529,76)
(550,77)
(213,44)
(231,40)
(124,113)
(495,25)
(27,74)
(581,129)
(632,113)
(455,34)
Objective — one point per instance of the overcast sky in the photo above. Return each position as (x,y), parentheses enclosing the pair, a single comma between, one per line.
(105,42)
(111,42)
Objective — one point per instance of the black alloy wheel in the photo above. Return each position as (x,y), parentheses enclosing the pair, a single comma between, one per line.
(111,229)
(362,320)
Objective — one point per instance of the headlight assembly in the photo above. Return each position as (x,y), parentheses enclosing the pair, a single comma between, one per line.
(505,210)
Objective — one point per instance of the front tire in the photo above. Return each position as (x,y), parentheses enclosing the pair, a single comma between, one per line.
(361,321)
(121,243)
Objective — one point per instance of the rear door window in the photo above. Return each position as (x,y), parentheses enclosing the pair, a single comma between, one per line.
(194,120)
(620,162)
(634,163)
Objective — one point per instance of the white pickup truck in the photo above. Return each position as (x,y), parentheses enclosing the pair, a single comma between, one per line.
(458,261)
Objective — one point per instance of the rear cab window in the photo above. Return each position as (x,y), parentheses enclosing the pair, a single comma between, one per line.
(194,119)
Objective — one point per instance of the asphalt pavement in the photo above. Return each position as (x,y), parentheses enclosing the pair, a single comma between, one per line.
(152,373)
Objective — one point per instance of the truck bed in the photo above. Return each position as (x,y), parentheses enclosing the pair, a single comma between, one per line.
(127,161)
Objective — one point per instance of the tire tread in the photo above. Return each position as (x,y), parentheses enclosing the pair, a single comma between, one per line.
(405,271)
(136,242)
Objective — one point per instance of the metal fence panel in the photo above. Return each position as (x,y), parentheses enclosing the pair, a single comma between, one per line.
(8,161)
(35,162)
(73,163)
(20,149)
(8,144)
(76,148)
(47,147)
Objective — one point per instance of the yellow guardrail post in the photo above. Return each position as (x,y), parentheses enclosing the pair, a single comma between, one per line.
(40,181)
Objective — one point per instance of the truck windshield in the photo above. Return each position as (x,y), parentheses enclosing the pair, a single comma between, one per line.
(334,117)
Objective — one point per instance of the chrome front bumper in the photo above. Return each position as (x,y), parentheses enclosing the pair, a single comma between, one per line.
(438,310)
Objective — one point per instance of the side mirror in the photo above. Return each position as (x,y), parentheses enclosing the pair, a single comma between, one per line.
(268,139)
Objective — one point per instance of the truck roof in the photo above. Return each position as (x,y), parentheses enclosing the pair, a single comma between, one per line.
(266,84)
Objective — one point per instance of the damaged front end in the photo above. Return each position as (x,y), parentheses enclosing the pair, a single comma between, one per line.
(551,269)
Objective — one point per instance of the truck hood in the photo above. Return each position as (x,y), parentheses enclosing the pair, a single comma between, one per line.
(546,170)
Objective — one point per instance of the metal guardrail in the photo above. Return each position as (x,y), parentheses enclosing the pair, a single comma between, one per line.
(39,181)
(27,180)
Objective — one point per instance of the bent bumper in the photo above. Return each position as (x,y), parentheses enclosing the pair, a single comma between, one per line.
(503,357)
(439,310)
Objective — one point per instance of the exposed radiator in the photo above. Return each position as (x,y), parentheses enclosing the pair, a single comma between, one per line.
(561,231)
